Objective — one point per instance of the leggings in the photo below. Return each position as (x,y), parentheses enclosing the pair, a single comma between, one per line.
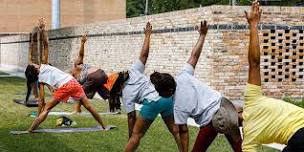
(296,142)
(206,136)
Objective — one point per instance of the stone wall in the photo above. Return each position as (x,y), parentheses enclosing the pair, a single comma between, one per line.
(223,64)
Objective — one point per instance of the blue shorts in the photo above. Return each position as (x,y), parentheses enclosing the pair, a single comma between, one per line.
(163,106)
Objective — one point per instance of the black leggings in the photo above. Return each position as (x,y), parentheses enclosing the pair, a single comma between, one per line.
(296,142)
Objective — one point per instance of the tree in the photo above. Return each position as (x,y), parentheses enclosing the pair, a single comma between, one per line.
(135,8)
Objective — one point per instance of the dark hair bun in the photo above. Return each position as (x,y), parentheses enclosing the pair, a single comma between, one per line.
(164,83)
(31,73)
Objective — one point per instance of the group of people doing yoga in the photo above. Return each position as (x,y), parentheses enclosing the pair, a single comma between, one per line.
(264,119)
(92,79)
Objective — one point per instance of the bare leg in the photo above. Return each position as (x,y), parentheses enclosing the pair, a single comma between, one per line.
(111,104)
(85,102)
(117,103)
(77,108)
(169,121)
(140,128)
(236,145)
(42,116)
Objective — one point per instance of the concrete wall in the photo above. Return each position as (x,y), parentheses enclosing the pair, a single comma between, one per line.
(22,15)
(223,65)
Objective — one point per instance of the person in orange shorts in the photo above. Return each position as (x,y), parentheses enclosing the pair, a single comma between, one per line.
(65,86)
(37,54)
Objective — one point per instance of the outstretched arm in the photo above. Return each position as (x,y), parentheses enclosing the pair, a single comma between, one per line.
(253,19)
(196,52)
(41,102)
(145,49)
(131,122)
(79,60)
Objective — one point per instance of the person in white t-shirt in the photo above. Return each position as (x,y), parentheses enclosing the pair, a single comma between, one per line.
(192,98)
(65,86)
(37,53)
(139,89)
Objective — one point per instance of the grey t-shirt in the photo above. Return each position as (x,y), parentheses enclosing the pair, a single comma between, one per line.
(194,99)
(138,87)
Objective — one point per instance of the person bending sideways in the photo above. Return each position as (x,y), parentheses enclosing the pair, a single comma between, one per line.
(94,80)
(37,54)
(210,110)
(65,86)
(138,89)
(267,120)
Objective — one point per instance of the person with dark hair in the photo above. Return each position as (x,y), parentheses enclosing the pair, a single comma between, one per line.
(210,110)
(65,86)
(164,83)
(38,53)
(139,89)
(94,80)
(267,120)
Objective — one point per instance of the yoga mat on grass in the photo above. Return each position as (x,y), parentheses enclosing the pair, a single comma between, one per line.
(30,103)
(82,113)
(65,130)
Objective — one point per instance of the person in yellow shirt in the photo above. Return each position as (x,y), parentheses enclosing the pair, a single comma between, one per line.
(267,120)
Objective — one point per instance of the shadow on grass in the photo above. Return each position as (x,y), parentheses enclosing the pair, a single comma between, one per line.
(3,73)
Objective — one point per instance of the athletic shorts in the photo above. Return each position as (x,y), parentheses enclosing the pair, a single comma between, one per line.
(70,89)
(151,109)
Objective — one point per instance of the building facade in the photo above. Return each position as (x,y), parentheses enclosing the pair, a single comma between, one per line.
(21,15)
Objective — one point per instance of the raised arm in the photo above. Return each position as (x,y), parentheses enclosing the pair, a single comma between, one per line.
(79,60)
(45,41)
(146,46)
(45,47)
(196,52)
(253,19)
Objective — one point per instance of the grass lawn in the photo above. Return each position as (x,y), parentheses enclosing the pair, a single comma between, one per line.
(15,117)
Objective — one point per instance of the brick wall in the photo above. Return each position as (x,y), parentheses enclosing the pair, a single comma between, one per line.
(223,65)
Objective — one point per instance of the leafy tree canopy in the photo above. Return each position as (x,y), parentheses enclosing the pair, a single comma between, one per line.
(137,7)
